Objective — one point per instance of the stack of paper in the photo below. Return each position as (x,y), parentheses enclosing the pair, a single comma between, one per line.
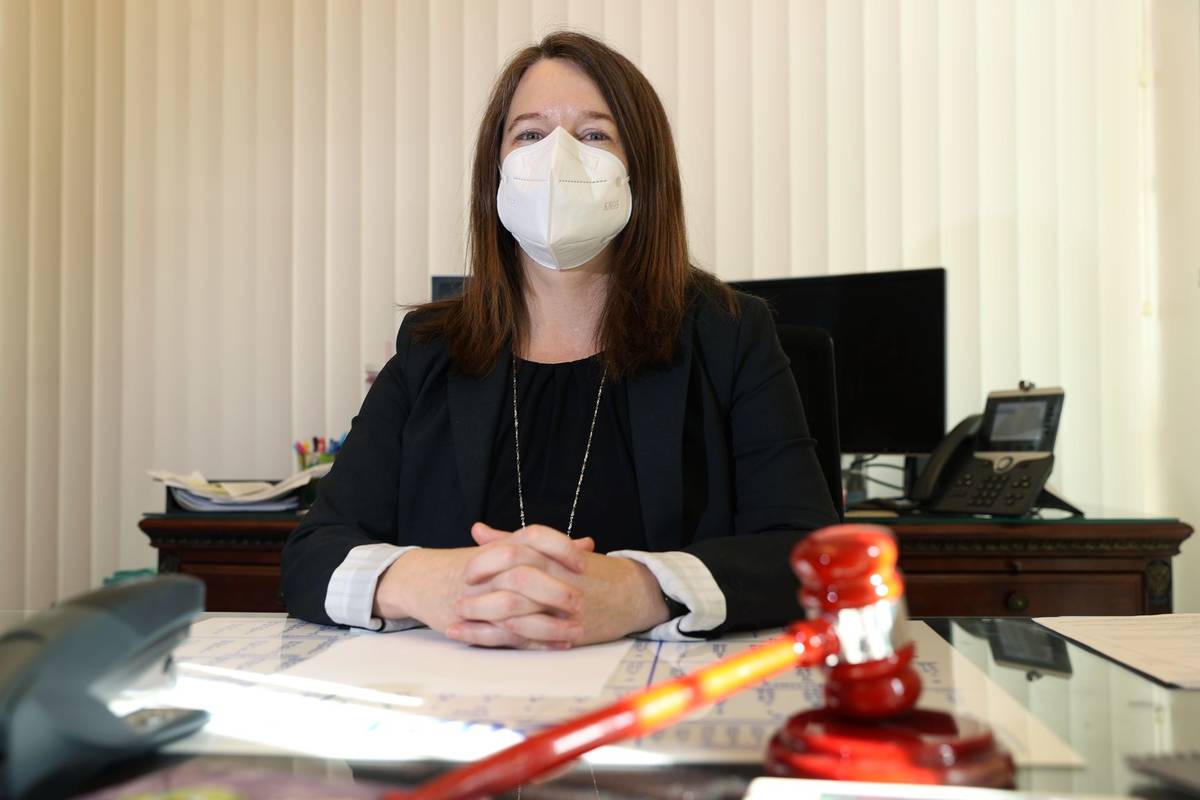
(1164,646)
(195,493)
(194,502)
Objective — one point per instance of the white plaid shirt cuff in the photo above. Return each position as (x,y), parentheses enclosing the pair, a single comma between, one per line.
(683,578)
(350,595)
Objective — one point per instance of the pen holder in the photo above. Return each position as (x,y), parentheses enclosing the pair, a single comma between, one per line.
(322,452)
(306,460)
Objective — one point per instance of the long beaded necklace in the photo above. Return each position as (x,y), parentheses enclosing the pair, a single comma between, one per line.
(586,452)
(578,484)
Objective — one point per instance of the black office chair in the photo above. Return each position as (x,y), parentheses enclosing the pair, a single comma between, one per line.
(810,349)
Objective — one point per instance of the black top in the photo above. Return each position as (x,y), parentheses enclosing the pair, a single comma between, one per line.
(723,463)
(554,408)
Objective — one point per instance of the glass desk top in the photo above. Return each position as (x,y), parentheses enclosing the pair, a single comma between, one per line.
(1101,710)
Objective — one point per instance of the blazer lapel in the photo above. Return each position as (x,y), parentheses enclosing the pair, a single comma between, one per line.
(474,403)
(657,398)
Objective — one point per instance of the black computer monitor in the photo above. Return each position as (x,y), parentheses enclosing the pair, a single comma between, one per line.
(889,341)
(446,286)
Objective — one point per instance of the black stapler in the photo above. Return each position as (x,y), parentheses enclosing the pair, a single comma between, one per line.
(59,669)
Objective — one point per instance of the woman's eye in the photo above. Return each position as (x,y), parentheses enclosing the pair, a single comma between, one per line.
(529,136)
(595,136)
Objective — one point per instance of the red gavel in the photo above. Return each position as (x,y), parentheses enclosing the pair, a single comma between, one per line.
(854,598)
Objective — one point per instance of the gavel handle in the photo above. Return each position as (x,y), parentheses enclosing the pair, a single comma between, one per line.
(637,714)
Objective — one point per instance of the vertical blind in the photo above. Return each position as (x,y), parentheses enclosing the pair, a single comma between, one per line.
(211,213)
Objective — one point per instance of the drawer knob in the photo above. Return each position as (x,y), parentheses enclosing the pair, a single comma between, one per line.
(1017,602)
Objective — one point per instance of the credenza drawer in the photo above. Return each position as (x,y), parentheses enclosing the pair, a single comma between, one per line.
(1030,595)
(238,587)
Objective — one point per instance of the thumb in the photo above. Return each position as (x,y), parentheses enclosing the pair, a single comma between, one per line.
(485,534)
(587,544)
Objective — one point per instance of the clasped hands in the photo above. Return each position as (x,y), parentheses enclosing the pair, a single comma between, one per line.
(532,588)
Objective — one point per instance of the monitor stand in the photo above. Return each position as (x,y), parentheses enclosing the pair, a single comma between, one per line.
(856,484)
(913,467)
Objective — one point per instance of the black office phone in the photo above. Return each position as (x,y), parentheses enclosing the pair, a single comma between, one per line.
(60,668)
(996,462)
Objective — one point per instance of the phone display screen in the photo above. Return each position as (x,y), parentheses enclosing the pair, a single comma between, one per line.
(1020,423)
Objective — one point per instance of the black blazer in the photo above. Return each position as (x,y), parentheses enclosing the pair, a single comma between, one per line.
(726,469)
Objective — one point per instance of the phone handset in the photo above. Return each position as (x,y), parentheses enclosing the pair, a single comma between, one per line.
(950,450)
(60,669)
(997,462)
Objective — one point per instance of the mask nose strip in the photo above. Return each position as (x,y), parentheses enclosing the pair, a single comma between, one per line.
(552,190)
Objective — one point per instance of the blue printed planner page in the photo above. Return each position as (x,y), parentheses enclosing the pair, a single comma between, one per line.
(270,681)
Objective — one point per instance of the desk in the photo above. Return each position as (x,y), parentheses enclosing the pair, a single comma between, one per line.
(1033,567)
(1101,710)
(954,566)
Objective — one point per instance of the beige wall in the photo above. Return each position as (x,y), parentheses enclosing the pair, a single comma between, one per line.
(209,209)
(1176,31)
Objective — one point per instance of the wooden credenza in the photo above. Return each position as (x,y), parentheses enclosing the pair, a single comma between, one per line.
(1032,568)
(953,567)
(236,555)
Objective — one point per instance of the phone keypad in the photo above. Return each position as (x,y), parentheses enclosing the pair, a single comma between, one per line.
(989,490)
(979,489)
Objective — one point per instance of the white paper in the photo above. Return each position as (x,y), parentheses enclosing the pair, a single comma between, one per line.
(243,488)
(258,491)
(422,662)
(1164,646)
(266,715)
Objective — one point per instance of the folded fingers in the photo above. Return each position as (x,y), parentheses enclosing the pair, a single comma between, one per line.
(493,606)
(540,587)
(557,546)
(541,552)
(493,560)
(544,628)
(487,634)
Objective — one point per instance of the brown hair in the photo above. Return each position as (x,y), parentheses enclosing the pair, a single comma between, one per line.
(653,278)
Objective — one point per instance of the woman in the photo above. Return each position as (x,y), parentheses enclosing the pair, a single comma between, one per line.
(598,438)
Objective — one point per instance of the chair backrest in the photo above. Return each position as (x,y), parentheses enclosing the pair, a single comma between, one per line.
(810,349)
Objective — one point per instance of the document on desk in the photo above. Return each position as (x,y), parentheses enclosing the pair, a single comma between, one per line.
(1164,646)
(423,662)
(261,645)
(283,685)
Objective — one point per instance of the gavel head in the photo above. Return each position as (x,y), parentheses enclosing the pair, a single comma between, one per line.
(849,579)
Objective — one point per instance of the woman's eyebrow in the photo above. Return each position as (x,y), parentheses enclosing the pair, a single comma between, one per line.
(523,117)
(590,115)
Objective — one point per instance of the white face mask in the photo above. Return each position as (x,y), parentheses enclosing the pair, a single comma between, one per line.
(562,200)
